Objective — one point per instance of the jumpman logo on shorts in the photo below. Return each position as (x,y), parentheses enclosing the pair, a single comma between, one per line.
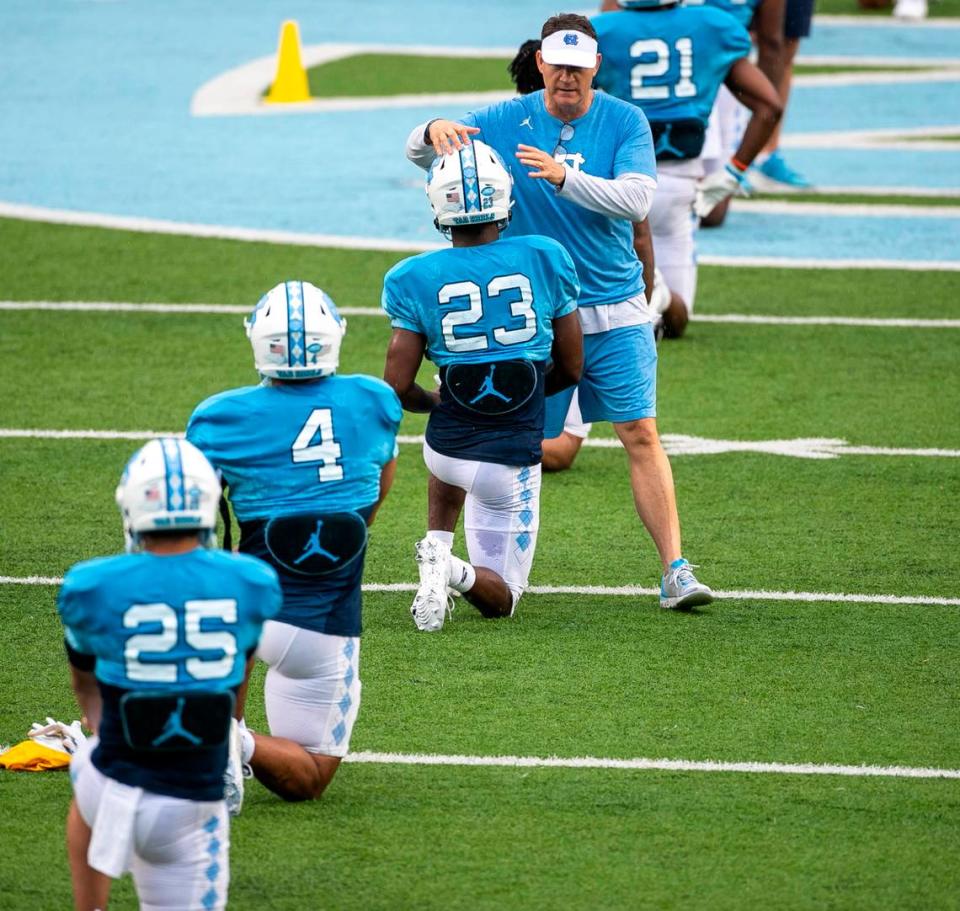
(313,548)
(664,146)
(174,727)
(487,388)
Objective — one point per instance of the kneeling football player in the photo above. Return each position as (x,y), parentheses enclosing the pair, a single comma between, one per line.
(498,317)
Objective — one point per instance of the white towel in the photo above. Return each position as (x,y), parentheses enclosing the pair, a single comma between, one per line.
(111,845)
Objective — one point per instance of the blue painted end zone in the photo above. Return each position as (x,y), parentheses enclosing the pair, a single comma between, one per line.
(95,117)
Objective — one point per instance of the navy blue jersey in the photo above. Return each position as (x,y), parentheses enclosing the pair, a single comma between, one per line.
(180,625)
(289,448)
(486,308)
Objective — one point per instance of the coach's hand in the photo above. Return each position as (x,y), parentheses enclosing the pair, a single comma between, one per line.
(447,136)
(547,167)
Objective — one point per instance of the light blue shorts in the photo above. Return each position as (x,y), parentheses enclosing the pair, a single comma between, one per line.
(619,380)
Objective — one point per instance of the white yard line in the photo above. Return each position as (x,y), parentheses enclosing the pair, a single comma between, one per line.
(631,591)
(189,229)
(813,192)
(229,309)
(676,444)
(878,78)
(886,137)
(660,765)
(845,210)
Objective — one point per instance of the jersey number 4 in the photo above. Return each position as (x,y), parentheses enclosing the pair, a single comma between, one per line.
(165,640)
(479,340)
(643,74)
(316,443)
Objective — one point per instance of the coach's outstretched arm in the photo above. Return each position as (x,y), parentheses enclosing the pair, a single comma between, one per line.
(625,196)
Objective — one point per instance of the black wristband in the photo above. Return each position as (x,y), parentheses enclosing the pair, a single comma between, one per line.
(426,130)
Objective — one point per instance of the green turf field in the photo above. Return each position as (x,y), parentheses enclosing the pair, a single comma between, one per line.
(571,675)
(363,75)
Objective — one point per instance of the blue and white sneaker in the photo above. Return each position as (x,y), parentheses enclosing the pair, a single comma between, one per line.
(680,590)
(776,171)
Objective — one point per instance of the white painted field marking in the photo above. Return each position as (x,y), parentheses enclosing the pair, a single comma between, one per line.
(852,210)
(337,242)
(630,591)
(660,765)
(676,444)
(757,319)
(240,90)
(745,318)
(840,190)
(886,137)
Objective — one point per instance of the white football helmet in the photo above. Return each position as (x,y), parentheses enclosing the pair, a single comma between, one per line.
(470,186)
(168,485)
(295,331)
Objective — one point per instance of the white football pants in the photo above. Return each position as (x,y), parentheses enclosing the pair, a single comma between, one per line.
(312,690)
(673,226)
(179,849)
(501,515)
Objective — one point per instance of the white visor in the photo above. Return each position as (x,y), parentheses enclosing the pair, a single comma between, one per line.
(569,48)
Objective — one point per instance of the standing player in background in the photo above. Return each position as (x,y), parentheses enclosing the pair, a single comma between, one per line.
(772,171)
(159,643)
(591,172)
(671,60)
(307,457)
(764,18)
(498,317)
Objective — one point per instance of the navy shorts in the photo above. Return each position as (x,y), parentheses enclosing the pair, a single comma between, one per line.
(798,18)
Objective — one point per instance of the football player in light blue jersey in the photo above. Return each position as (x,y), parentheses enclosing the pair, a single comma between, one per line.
(588,172)
(498,317)
(670,61)
(307,457)
(159,643)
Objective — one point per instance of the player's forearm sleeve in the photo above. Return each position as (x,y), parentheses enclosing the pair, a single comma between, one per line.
(627,196)
(419,152)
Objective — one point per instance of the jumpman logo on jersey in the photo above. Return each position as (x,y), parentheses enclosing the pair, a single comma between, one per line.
(487,388)
(174,727)
(664,146)
(526,122)
(313,548)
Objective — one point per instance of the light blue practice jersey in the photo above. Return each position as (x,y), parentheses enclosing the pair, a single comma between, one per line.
(182,622)
(487,303)
(741,10)
(610,140)
(299,447)
(670,62)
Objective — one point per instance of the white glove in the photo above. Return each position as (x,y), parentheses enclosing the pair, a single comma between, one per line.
(57,735)
(716,187)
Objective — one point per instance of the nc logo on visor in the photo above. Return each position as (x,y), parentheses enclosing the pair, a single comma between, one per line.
(571,39)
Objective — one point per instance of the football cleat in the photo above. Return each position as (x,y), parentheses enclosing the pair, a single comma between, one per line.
(910,10)
(432,602)
(235,772)
(680,590)
(775,174)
